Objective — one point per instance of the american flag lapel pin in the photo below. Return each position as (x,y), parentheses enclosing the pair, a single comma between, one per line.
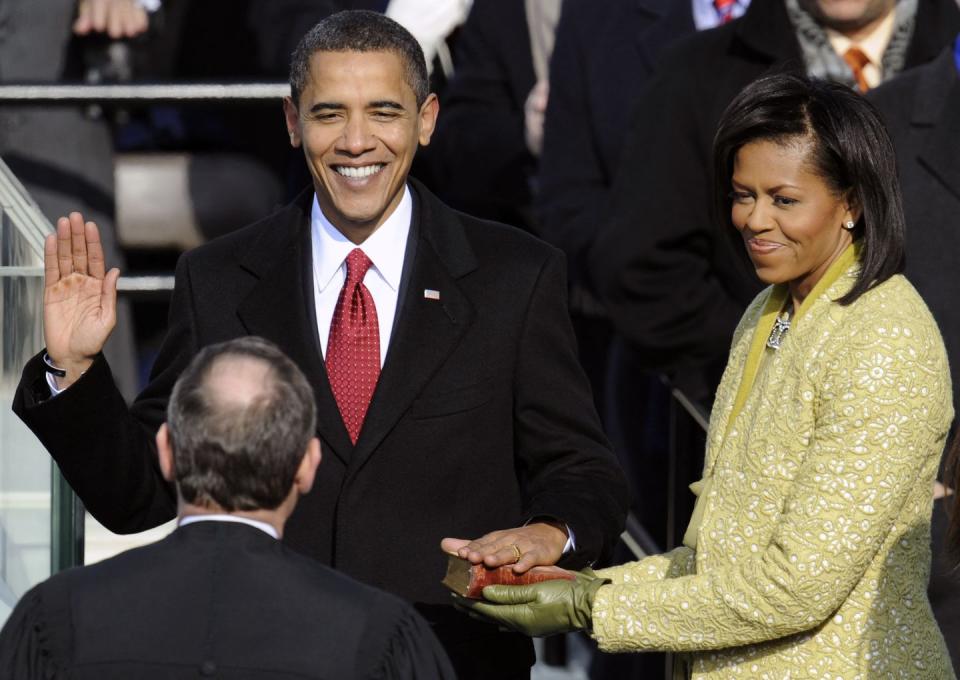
(431,294)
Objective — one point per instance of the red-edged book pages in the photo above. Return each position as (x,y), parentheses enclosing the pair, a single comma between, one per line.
(469,580)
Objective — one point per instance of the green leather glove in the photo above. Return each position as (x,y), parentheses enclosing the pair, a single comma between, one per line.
(540,609)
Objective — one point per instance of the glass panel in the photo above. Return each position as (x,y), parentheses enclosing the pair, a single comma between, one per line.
(25,468)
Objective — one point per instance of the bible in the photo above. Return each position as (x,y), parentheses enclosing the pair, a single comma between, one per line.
(469,580)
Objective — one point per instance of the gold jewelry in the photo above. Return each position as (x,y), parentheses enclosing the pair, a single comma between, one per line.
(516,552)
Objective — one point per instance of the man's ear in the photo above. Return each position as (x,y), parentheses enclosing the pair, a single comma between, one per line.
(303,480)
(428,118)
(165,454)
(292,117)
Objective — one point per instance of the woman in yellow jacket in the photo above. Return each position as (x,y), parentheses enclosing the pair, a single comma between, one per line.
(809,551)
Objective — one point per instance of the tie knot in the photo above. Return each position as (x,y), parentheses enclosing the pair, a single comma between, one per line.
(724,9)
(357,265)
(856,59)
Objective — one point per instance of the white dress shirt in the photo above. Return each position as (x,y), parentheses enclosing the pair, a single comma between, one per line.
(705,14)
(385,247)
(873,46)
(255,523)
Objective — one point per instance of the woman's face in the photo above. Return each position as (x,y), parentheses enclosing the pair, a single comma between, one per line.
(790,219)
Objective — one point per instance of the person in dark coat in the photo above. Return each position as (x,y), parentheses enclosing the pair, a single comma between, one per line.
(479,161)
(665,271)
(922,111)
(451,404)
(221,596)
(604,55)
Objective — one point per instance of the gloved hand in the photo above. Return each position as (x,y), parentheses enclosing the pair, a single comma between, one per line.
(544,608)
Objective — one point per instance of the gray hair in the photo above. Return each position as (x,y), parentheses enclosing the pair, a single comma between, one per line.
(240,451)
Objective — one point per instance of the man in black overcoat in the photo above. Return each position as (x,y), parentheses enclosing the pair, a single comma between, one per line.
(922,112)
(457,407)
(668,275)
(221,596)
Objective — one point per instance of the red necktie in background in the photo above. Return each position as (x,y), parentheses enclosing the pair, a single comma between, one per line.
(725,9)
(353,350)
(857,60)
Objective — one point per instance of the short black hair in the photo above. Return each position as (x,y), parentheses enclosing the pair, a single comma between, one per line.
(850,150)
(360,31)
(241,453)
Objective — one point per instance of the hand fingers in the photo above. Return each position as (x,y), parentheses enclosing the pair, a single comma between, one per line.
(452,546)
(51,268)
(82,25)
(478,548)
(508,554)
(78,243)
(98,9)
(510,594)
(64,250)
(530,559)
(117,19)
(96,265)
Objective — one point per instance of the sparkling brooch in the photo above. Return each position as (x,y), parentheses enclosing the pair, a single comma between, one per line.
(780,327)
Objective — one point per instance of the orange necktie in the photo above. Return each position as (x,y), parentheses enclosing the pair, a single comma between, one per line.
(857,60)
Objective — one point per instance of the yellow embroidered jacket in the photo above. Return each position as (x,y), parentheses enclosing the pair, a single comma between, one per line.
(812,551)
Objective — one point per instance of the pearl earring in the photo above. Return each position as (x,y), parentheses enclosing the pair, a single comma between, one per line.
(849,225)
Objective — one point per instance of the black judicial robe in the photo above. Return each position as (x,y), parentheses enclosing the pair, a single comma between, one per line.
(215,599)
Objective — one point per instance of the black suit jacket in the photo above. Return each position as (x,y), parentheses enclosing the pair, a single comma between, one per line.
(478,158)
(672,280)
(215,599)
(604,54)
(922,112)
(481,419)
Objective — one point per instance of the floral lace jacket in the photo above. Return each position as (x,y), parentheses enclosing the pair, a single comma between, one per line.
(813,550)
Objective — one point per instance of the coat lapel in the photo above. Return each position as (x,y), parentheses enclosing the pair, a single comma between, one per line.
(663,22)
(280,305)
(937,106)
(428,329)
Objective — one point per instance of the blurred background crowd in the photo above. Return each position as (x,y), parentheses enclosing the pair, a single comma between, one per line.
(586,122)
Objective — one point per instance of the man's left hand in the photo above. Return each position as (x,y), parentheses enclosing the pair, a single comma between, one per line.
(538,543)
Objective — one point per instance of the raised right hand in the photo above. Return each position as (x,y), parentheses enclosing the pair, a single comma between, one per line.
(79,298)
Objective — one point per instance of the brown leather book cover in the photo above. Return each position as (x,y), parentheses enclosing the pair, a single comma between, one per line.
(469,580)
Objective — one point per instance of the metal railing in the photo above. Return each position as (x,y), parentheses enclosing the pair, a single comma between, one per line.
(66,94)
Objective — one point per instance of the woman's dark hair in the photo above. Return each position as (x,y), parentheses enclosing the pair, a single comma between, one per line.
(952,481)
(849,149)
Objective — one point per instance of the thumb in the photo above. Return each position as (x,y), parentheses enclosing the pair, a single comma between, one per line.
(510,594)
(108,293)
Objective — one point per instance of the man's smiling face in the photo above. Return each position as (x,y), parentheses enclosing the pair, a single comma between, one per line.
(359,125)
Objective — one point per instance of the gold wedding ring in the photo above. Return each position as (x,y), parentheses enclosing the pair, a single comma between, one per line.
(516,552)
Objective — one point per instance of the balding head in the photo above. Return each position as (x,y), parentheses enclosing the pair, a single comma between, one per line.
(240,418)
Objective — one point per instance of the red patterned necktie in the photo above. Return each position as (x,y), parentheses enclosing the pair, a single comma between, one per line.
(353,350)
(857,60)
(724,9)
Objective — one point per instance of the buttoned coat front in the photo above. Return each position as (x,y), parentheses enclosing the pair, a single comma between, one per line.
(813,553)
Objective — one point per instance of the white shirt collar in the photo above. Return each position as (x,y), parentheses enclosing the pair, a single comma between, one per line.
(873,45)
(385,247)
(262,526)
